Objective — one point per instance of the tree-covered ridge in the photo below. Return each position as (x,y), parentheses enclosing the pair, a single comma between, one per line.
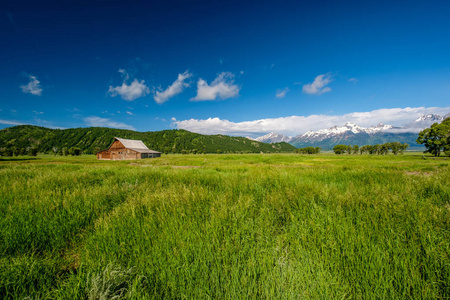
(92,139)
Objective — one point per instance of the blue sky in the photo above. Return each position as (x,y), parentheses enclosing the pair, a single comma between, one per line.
(234,67)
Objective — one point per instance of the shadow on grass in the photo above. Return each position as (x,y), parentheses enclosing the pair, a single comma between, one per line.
(18,159)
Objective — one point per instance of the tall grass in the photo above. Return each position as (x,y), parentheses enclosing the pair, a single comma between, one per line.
(239,226)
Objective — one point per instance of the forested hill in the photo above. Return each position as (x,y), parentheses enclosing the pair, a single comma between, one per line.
(93,139)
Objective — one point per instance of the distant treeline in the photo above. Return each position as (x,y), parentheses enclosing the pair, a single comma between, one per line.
(379,149)
(93,139)
(33,151)
(308,150)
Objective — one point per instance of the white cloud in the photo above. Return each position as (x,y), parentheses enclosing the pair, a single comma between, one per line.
(354,80)
(8,122)
(281,93)
(129,92)
(38,112)
(103,122)
(125,74)
(130,113)
(33,87)
(174,89)
(294,125)
(222,87)
(319,85)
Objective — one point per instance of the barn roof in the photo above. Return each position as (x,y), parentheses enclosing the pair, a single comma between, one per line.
(144,150)
(132,144)
(136,145)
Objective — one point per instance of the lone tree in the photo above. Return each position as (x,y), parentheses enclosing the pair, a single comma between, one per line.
(436,138)
(75,151)
(340,149)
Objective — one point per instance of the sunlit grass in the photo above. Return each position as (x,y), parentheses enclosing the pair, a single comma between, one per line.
(225,226)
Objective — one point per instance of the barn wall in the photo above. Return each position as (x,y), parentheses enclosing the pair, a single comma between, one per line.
(124,154)
(117,151)
(106,154)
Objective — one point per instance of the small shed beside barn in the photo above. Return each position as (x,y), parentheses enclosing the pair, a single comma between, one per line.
(123,149)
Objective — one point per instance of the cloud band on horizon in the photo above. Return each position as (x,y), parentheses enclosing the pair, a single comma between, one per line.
(295,125)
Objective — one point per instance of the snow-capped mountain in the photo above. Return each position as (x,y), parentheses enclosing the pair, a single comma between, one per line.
(352,134)
(273,137)
(430,117)
(340,130)
(426,121)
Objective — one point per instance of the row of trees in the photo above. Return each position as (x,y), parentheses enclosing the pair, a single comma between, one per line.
(308,150)
(33,151)
(436,138)
(74,151)
(15,151)
(379,149)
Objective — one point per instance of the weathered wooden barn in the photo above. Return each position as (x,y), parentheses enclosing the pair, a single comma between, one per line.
(122,149)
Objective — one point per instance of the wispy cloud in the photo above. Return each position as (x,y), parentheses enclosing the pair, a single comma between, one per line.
(353,79)
(125,74)
(129,92)
(104,122)
(319,85)
(38,112)
(129,113)
(222,87)
(174,89)
(33,87)
(11,19)
(9,122)
(35,121)
(294,125)
(282,93)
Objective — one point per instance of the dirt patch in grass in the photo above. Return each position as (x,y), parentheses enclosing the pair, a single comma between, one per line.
(417,173)
(185,167)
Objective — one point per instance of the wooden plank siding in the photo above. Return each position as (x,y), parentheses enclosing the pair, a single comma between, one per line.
(117,151)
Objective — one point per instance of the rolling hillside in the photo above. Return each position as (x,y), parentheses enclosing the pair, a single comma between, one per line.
(93,139)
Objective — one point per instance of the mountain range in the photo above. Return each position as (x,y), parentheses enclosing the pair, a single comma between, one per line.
(354,134)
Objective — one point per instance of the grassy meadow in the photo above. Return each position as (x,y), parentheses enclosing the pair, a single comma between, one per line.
(225,227)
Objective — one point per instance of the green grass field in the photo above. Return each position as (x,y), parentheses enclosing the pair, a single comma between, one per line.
(225,227)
